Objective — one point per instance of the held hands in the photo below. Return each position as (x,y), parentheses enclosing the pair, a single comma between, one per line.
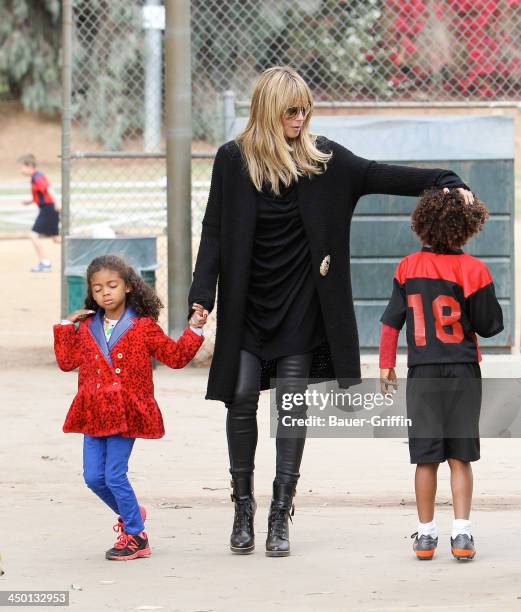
(199,316)
(468,198)
(388,380)
(77,315)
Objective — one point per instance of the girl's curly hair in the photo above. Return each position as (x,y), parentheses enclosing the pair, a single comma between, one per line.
(141,296)
(445,222)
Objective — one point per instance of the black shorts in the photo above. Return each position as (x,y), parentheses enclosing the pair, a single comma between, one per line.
(47,221)
(444,411)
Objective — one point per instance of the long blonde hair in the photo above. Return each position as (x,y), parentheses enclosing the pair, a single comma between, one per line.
(269,156)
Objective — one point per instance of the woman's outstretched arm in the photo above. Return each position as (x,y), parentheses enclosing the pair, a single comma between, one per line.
(206,270)
(393,179)
(367,176)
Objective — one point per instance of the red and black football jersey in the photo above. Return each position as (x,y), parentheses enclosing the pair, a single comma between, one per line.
(445,299)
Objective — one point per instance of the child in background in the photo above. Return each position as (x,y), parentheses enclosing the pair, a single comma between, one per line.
(47,221)
(113,345)
(446,297)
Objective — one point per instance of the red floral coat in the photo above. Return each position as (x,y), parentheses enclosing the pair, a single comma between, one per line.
(115,388)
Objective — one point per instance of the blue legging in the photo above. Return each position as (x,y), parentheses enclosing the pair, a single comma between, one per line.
(105,466)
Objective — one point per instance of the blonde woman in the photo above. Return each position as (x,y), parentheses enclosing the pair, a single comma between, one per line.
(275,235)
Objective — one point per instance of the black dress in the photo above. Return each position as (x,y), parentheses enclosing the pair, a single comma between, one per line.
(283,315)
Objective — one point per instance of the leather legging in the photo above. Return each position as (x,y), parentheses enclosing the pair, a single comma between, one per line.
(241,422)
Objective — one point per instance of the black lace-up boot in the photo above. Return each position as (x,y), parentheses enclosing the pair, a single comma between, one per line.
(281,509)
(242,540)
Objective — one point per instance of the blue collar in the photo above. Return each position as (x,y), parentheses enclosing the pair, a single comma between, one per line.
(122,326)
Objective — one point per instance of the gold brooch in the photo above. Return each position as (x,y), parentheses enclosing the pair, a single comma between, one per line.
(324,266)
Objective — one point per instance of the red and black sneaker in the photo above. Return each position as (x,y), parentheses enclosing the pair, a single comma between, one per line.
(129,546)
(119,528)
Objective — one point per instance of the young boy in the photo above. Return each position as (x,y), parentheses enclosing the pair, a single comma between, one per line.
(446,297)
(48,218)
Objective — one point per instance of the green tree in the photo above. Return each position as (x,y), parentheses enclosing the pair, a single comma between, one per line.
(30,40)
(107,62)
(108,69)
(327,41)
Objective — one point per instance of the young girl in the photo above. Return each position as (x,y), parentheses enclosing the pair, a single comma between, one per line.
(112,346)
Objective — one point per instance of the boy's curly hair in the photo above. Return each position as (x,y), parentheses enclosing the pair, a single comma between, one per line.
(141,297)
(445,222)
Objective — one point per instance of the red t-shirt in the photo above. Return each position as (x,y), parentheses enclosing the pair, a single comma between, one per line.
(40,188)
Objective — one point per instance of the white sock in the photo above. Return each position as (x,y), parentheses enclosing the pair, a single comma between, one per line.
(428,529)
(46,262)
(460,526)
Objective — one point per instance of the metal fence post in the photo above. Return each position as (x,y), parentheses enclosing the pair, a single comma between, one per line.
(152,119)
(178,151)
(66,143)
(228,114)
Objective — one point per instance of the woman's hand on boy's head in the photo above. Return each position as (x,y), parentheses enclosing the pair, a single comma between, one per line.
(77,315)
(388,380)
(468,196)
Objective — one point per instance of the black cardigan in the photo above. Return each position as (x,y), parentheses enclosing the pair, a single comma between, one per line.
(326,202)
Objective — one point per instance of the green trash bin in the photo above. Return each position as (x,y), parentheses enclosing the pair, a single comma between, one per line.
(149,276)
(138,251)
(76,292)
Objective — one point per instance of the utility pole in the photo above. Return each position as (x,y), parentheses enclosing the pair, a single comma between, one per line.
(153,21)
(178,160)
(66,145)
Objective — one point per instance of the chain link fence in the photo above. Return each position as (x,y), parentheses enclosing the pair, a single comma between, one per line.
(358,50)
(117,172)
(348,51)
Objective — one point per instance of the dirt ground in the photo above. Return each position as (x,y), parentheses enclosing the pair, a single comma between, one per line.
(354,508)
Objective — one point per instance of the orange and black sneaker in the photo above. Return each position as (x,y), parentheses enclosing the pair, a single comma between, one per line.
(424,546)
(119,528)
(462,547)
(129,546)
